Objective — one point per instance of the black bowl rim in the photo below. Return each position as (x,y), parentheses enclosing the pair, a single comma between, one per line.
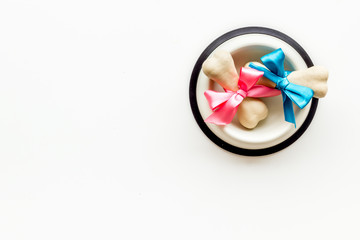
(195,109)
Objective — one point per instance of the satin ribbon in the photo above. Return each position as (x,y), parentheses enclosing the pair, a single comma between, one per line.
(225,104)
(290,92)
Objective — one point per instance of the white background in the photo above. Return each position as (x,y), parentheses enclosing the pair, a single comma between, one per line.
(97,138)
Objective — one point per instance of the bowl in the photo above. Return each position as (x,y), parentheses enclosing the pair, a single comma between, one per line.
(272,134)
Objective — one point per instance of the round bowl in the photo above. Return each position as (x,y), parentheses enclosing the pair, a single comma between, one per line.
(273,133)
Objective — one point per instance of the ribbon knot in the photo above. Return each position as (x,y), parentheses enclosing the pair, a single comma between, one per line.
(241,93)
(283,83)
(225,104)
(290,92)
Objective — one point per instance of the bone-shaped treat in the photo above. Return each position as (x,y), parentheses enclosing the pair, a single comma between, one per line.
(251,111)
(314,77)
(221,68)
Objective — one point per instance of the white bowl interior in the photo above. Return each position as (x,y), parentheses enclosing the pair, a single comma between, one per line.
(274,129)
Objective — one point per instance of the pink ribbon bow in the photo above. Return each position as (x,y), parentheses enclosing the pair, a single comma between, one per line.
(225,104)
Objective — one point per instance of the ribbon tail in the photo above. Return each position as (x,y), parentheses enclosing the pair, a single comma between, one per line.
(288,109)
(224,114)
(300,95)
(221,117)
(216,99)
(263,91)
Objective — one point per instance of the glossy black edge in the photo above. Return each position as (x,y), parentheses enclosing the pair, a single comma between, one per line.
(195,108)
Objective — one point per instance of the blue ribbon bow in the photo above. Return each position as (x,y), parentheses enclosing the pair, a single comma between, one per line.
(290,92)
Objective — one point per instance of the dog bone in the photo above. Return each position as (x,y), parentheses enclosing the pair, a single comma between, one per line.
(251,111)
(314,77)
(221,68)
